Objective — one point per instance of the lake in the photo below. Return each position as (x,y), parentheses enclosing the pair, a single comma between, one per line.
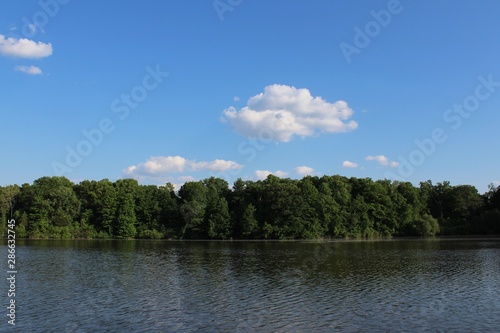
(188,286)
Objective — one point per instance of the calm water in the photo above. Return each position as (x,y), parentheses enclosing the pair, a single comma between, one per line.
(136,286)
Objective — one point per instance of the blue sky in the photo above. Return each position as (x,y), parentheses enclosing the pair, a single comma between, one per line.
(184,90)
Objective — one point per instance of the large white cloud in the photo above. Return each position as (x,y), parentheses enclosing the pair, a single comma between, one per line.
(382,160)
(283,111)
(31,70)
(162,165)
(24,48)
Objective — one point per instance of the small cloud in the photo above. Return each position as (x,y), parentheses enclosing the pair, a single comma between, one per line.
(286,111)
(13,27)
(382,160)
(157,166)
(236,99)
(215,166)
(348,164)
(262,174)
(281,174)
(24,48)
(31,70)
(304,170)
(496,182)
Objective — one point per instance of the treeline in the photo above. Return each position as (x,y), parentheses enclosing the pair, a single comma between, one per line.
(274,208)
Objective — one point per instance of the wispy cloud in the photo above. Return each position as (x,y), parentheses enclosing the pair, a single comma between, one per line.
(24,48)
(31,70)
(382,160)
(286,111)
(348,164)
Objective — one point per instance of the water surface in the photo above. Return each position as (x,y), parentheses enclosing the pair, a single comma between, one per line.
(158,286)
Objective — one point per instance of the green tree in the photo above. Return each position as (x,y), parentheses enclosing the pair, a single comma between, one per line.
(279,205)
(274,208)
(408,206)
(360,224)
(249,225)
(330,212)
(86,192)
(8,199)
(494,201)
(124,224)
(338,213)
(64,205)
(194,202)
(53,208)
(39,217)
(465,203)
(237,201)
(148,211)
(105,207)
(309,210)
(217,222)
(171,219)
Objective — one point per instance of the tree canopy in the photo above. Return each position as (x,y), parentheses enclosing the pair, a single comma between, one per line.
(275,208)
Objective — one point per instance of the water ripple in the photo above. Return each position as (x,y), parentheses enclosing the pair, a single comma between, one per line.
(259,287)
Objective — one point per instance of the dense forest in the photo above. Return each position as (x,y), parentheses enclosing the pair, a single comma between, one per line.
(274,208)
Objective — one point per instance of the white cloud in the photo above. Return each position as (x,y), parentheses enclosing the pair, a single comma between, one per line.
(24,48)
(216,166)
(262,174)
(348,164)
(304,170)
(286,111)
(281,174)
(496,182)
(382,160)
(162,165)
(31,70)
(157,165)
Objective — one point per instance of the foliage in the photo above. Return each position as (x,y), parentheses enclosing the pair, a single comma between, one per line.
(275,208)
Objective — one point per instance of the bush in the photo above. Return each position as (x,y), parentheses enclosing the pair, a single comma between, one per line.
(426,226)
(150,234)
